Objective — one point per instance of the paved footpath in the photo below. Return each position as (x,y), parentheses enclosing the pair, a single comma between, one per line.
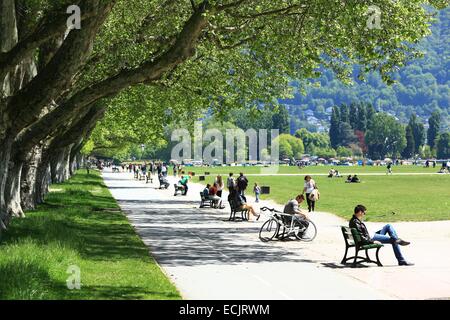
(208,257)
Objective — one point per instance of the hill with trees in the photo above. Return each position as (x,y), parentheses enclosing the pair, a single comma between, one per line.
(422,86)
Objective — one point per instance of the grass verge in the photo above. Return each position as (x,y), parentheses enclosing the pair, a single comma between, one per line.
(79,225)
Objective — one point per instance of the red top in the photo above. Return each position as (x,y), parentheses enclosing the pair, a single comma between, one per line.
(212,191)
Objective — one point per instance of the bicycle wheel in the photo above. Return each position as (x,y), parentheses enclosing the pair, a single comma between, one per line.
(307,234)
(268,230)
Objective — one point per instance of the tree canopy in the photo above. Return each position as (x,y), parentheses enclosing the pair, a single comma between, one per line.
(189,55)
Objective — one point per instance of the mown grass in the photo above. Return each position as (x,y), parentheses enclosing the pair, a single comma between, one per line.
(80,225)
(411,197)
(310,170)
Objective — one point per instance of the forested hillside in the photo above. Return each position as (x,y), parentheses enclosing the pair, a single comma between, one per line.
(423,86)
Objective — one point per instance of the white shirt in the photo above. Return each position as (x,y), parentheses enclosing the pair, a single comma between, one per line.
(310,186)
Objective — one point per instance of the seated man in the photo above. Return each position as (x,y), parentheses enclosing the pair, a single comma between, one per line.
(213,196)
(184,182)
(205,191)
(355,179)
(293,208)
(349,178)
(163,183)
(337,174)
(240,202)
(386,235)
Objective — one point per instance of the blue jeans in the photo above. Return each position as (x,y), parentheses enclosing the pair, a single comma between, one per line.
(390,238)
(257,197)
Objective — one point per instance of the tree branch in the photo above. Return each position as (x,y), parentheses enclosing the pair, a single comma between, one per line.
(231,5)
(25,107)
(148,72)
(50,26)
(267,13)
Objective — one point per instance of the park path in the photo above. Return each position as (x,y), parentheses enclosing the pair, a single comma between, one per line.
(208,257)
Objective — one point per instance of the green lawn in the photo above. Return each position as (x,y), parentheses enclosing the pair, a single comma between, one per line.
(411,197)
(79,225)
(312,169)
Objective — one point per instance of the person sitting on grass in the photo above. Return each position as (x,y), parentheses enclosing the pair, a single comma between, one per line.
(331,173)
(355,179)
(240,202)
(213,196)
(386,235)
(349,178)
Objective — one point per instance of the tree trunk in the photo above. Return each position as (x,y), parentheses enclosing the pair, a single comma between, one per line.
(43,177)
(12,188)
(74,153)
(60,164)
(8,37)
(28,179)
(5,155)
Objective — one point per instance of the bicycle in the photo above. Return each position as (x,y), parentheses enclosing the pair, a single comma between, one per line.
(302,229)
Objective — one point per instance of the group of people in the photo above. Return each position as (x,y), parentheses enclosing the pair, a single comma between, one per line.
(445,168)
(237,188)
(334,173)
(352,179)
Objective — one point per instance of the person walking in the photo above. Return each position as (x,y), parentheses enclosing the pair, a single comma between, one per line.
(389,168)
(174,170)
(242,183)
(257,191)
(230,182)
(164,169)
(386,235)
(159,168)
(309,187)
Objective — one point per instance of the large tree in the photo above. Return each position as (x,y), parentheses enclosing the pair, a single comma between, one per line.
(410,149)
(385,137)
(334,127)
(418,131)
(443,146)
(57,83)
(434,123)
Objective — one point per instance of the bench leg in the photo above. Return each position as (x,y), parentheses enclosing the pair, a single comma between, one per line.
(344,260)
(378,259)
(356,257)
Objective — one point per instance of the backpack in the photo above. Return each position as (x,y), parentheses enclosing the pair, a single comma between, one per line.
(242,183)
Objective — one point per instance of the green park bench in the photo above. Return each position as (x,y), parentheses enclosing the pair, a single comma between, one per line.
(244,213)
(205,201)
(352,239)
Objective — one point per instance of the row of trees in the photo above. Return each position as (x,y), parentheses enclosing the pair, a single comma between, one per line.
(180,55)
(376,134)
